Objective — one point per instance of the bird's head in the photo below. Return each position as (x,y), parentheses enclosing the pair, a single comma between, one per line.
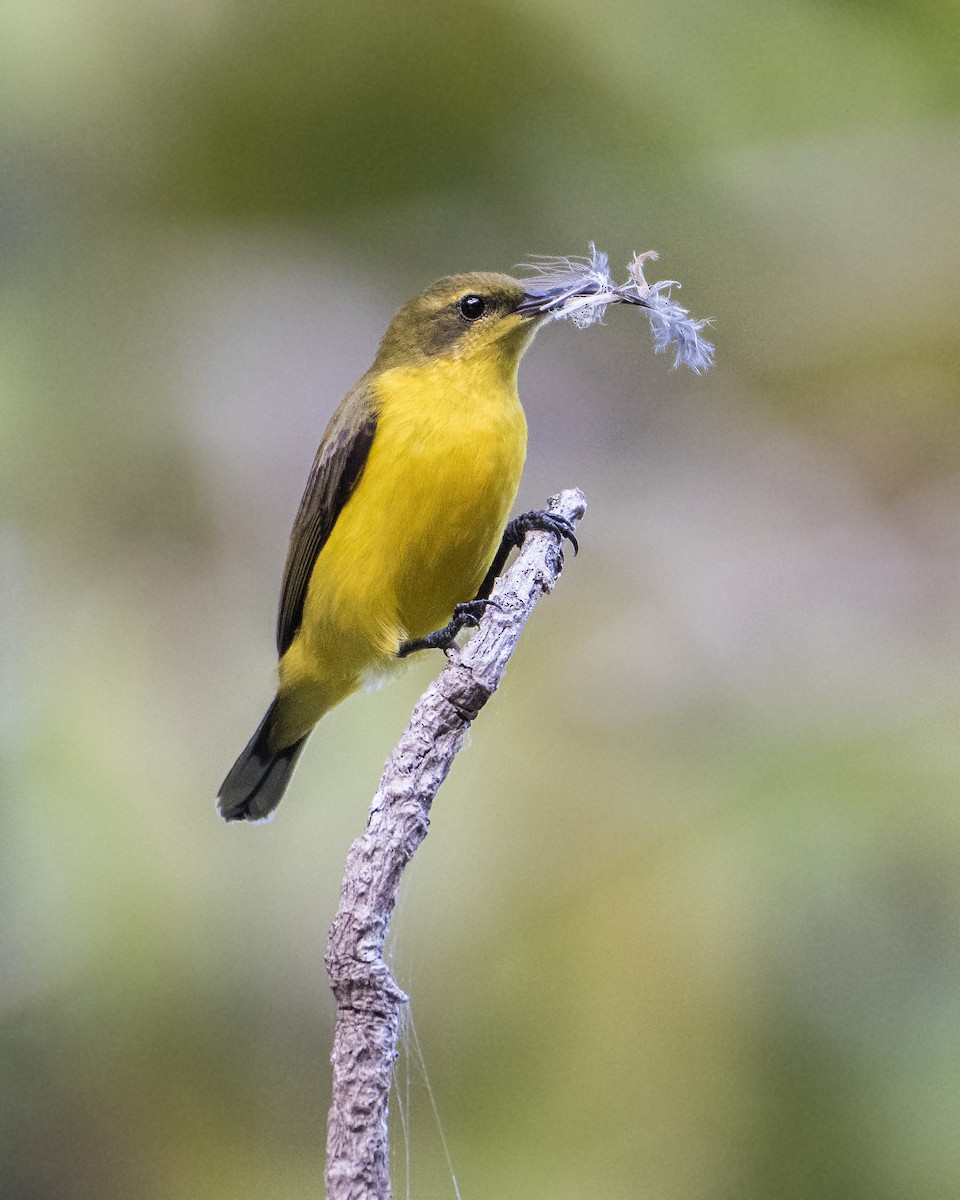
(465,316)
(483,316)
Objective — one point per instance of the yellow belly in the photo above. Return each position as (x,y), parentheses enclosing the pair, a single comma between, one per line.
(417,536)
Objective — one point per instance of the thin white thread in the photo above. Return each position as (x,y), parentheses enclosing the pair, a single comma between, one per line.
(421,1062)
(402,1089)
(403,1103)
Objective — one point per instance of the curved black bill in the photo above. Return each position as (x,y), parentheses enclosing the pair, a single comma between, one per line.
(541,302)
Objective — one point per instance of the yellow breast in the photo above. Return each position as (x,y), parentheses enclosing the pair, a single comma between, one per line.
(420,531)
(455,434)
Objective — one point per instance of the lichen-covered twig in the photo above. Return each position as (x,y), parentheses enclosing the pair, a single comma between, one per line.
(369,1002)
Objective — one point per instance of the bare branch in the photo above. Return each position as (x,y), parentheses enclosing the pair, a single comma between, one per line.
(369,1002)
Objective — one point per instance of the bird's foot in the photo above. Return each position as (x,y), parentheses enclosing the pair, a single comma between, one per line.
(465,616)
(544,521)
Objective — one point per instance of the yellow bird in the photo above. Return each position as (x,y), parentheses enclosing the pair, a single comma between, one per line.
(402,528)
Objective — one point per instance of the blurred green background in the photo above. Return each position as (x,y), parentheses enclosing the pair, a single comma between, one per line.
(686,925)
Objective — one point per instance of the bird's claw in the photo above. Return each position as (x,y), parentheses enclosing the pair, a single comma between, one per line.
(465,616)
(543,521)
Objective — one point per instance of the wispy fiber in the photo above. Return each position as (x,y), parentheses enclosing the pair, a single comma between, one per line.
(581,287)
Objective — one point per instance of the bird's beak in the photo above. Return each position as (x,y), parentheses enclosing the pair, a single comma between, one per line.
(549,301)
(540,302)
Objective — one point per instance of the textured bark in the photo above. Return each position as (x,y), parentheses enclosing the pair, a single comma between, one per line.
(369,1003)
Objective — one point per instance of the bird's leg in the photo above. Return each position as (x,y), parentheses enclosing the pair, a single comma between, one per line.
(468,615)
(517,530)
(465,616)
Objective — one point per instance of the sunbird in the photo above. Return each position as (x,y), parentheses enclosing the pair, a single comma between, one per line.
(404,519)
(402,529)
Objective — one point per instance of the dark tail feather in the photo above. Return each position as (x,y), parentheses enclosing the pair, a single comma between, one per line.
(259,777)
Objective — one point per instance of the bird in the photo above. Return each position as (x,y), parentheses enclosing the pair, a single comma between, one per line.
(402,528)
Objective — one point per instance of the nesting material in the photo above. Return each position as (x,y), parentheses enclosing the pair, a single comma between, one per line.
(581,288)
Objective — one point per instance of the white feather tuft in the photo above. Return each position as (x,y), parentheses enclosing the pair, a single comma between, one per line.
(581,287)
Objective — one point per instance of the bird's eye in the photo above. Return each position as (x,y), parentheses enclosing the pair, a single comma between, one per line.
(472,307)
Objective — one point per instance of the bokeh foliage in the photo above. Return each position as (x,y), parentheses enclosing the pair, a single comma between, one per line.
(686,924)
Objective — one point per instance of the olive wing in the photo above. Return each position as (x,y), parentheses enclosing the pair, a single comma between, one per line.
(335,473)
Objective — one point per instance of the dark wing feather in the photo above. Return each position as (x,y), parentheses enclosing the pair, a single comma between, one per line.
(335,473)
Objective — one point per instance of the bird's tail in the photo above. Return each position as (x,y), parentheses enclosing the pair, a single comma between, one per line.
(257,780)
